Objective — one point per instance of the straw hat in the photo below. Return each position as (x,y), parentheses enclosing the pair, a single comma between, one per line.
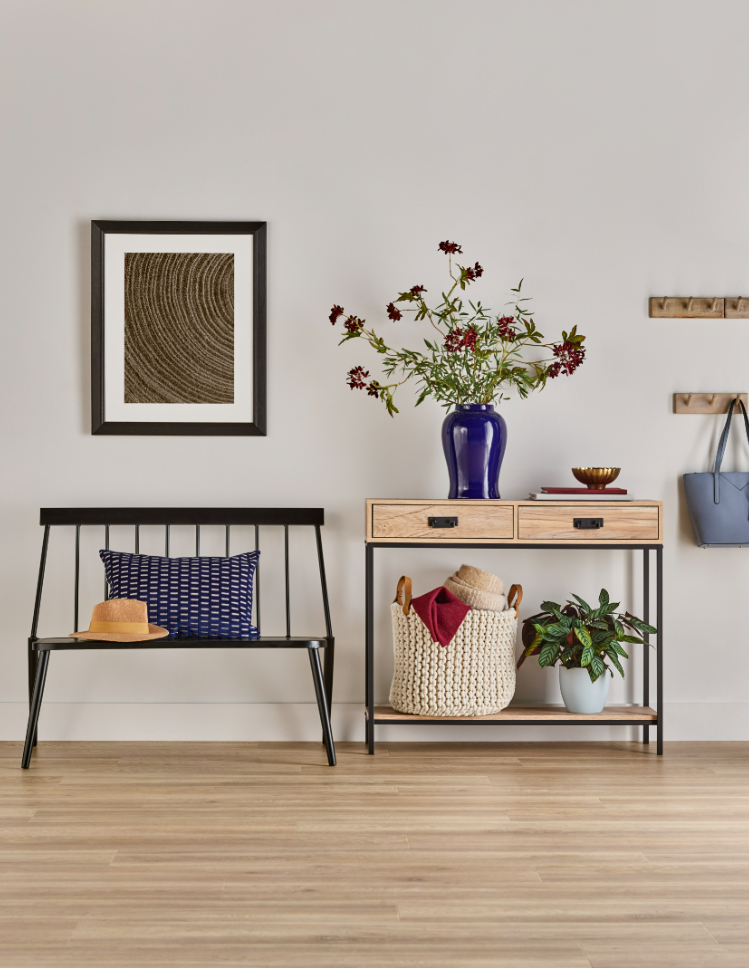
(120,620)
(479,589)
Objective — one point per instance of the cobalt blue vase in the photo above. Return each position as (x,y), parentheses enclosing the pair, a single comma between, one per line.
(474,438)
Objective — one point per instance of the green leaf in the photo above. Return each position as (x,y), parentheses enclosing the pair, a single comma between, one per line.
(638,624)
(548,654)
(587,657)
(552,608)
(603,598)
(597,667)
(582,602)
(615,659)
(534,644)
(584,637)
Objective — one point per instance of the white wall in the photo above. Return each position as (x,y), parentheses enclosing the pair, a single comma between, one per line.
(597,149)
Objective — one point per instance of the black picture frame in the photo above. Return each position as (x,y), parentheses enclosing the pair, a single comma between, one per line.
(100,229)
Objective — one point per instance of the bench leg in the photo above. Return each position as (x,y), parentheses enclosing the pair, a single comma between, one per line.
(328,673)
(36,704)
(322,704)
(328,663)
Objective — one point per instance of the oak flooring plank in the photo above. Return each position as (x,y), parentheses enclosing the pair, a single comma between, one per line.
(544,935)
(278,956)
(668,956)
(729,932)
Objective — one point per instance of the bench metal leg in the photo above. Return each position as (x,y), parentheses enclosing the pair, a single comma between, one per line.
(36,704)
(322,704)
(33,663)
(329,660)
(328,673)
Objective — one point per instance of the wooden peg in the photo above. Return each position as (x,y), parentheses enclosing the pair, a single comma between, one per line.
(663,304)
(690,304)
(737,308)
(712,399)
(714,305)
(689,399)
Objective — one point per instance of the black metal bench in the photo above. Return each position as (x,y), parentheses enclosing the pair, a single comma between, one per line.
(39,649)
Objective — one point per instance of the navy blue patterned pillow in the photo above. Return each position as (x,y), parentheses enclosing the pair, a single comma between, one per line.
(206,598)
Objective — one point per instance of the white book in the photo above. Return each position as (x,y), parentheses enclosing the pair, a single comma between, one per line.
(540,496)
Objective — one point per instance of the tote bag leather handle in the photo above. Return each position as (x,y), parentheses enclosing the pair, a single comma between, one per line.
(404,592)
(722,446)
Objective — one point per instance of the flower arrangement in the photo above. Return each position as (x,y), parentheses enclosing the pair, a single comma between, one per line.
(472,357)
(581,637)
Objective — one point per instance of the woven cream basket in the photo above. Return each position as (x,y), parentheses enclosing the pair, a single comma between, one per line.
(472,676)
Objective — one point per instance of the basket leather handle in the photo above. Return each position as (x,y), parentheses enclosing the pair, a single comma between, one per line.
(404,592)
(517,590)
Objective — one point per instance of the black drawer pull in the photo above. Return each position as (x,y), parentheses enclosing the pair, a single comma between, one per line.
(443,522)
(588,524)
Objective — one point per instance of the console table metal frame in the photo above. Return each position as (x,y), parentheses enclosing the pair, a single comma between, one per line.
(372,719)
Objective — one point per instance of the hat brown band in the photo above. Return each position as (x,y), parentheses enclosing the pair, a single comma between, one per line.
(137,628)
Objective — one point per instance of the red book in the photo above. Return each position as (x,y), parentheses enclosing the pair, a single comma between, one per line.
(583,490)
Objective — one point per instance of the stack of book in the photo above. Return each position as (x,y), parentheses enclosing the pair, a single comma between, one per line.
(580,494)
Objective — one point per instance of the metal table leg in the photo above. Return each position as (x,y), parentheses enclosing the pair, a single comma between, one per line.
(646,648)
(369,647)
(659,645)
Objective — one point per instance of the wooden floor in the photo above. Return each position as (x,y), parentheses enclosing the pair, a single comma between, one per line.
(545,856)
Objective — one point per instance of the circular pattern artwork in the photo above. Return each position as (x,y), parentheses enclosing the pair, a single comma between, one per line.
(179,327)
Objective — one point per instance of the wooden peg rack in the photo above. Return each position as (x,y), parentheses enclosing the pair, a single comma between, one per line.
(707,402)
(699,307)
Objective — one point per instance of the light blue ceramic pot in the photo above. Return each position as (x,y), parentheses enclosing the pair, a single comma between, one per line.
(580,694)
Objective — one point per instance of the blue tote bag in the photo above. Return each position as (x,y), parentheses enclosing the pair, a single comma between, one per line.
(719,500)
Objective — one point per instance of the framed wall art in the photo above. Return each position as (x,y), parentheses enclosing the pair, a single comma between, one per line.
(178,328)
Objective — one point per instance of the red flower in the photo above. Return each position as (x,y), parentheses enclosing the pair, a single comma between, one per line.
(353,325)
(373,390)
(505,328)
(356,378)
(449,247)
(569,358)
(454,340)
(335,312)
(393,313)
(471,275)
(469,340)
(415,290)
(457,340)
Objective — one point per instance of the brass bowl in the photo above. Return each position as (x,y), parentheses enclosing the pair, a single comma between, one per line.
(596,478)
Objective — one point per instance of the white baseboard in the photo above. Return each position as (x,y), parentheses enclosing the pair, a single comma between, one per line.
(288,722)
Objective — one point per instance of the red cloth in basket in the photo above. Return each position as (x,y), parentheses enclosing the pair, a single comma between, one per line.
(441,612)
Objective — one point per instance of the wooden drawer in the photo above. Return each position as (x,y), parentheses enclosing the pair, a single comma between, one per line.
(477,521)
(557,522)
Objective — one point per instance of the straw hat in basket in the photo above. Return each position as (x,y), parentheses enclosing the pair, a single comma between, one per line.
(120,620)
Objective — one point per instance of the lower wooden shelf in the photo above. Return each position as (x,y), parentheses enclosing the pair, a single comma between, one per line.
(611,715)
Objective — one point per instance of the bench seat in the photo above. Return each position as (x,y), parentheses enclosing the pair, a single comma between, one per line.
(261,642)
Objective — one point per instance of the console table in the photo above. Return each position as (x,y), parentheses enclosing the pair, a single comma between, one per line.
(543,525)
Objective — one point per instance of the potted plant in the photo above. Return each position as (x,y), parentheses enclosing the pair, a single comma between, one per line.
(583,640)
(470,359)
